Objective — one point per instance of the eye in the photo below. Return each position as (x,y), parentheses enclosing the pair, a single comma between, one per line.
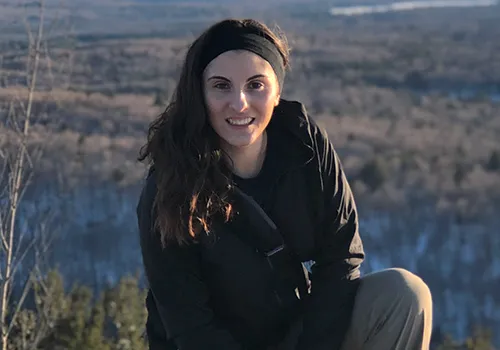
(256,85)
(221,86)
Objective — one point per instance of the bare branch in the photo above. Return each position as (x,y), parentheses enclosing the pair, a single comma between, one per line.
(20,304)
(16,180)
(25,248)
(12,117)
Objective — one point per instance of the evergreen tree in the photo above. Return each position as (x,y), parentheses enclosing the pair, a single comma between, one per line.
(125,306)
(480,340)
(94,337)
(70,333)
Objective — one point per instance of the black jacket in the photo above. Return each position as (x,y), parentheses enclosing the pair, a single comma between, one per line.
(220,295)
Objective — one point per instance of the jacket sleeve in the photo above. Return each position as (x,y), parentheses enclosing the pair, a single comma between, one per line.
(176,284)
(338,255)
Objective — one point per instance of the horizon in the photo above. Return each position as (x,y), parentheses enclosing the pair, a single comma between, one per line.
(401,6)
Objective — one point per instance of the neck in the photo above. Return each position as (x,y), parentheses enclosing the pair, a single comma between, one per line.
(247,161)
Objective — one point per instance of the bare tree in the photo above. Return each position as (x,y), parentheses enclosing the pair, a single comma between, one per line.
(18,240)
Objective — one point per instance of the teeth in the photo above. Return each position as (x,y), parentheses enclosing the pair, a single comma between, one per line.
(240,121)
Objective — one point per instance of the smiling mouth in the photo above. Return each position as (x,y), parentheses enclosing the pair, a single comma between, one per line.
(240,121)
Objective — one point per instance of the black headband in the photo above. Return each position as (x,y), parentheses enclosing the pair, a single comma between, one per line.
(255,43)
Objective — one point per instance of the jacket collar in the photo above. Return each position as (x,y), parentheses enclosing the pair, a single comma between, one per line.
(291,117)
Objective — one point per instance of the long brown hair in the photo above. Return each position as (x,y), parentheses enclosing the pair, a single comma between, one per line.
(193,180)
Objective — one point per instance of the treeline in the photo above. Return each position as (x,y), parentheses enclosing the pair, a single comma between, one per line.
(114,319)
(78,319)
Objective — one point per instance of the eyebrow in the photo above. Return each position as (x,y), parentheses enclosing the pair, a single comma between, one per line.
(226,79)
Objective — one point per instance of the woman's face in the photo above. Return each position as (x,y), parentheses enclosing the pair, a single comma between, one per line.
(241,91)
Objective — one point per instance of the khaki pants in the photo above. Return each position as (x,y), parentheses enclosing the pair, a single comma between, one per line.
(392,311)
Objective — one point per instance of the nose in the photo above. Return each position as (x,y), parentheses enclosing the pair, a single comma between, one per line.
(239,102)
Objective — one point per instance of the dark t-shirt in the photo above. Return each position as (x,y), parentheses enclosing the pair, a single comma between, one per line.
(260,187)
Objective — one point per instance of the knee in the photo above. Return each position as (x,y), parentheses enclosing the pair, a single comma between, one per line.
(409,288)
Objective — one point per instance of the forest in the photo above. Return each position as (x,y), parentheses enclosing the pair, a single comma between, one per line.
(411,101)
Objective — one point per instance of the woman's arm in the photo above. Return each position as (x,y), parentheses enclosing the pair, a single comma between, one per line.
(180,295)
(339,253)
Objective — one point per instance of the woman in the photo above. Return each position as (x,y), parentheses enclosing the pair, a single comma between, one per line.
(243,188)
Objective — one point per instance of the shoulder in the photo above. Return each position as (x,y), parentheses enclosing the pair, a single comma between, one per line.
(293,116)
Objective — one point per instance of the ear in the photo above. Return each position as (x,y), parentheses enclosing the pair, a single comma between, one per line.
(277,102)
